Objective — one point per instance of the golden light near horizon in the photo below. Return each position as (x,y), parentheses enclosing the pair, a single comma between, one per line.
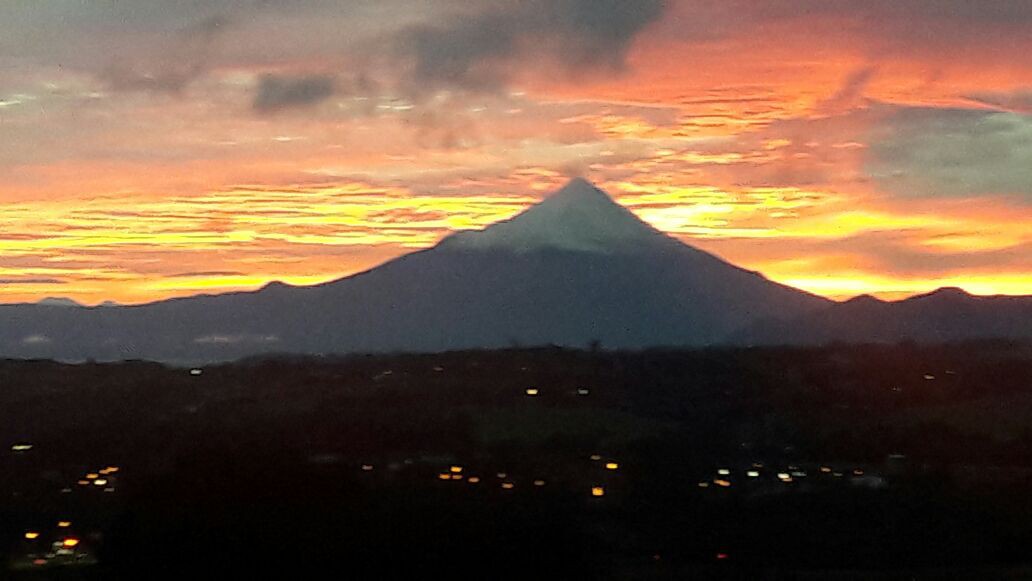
(728,224)
(893,164)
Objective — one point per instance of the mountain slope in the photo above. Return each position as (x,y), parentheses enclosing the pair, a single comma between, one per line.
(573,269)
(946,315)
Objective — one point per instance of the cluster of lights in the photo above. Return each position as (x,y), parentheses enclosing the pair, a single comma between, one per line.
(67,542)
(791,474)
(63,545)
(99,478)
(456,473)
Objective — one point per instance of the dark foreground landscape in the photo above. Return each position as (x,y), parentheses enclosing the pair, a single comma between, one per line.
(849,462)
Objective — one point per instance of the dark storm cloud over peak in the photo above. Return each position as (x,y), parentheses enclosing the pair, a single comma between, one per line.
(480,46)
(473,52)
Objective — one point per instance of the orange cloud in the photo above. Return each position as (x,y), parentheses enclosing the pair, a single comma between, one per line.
(746,128)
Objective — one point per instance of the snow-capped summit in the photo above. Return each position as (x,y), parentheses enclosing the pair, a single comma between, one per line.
(578,217)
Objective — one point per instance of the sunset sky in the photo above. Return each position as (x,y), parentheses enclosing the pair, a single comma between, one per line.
(155,148)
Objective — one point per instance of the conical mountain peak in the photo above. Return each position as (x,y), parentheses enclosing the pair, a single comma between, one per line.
(581,191)
(578,217)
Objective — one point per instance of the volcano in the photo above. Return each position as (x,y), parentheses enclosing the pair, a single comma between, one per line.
(576,269)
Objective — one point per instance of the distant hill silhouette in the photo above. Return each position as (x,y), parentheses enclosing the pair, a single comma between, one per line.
(945,315)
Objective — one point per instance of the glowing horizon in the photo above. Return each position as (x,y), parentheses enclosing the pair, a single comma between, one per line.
(171,150)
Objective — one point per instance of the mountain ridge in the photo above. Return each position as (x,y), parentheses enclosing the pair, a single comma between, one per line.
(576,269)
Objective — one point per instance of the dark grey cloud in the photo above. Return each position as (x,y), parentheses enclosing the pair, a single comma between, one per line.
(992,11)
(953,152)
(480,51)
(31,281)
(164,45)
(278,92)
